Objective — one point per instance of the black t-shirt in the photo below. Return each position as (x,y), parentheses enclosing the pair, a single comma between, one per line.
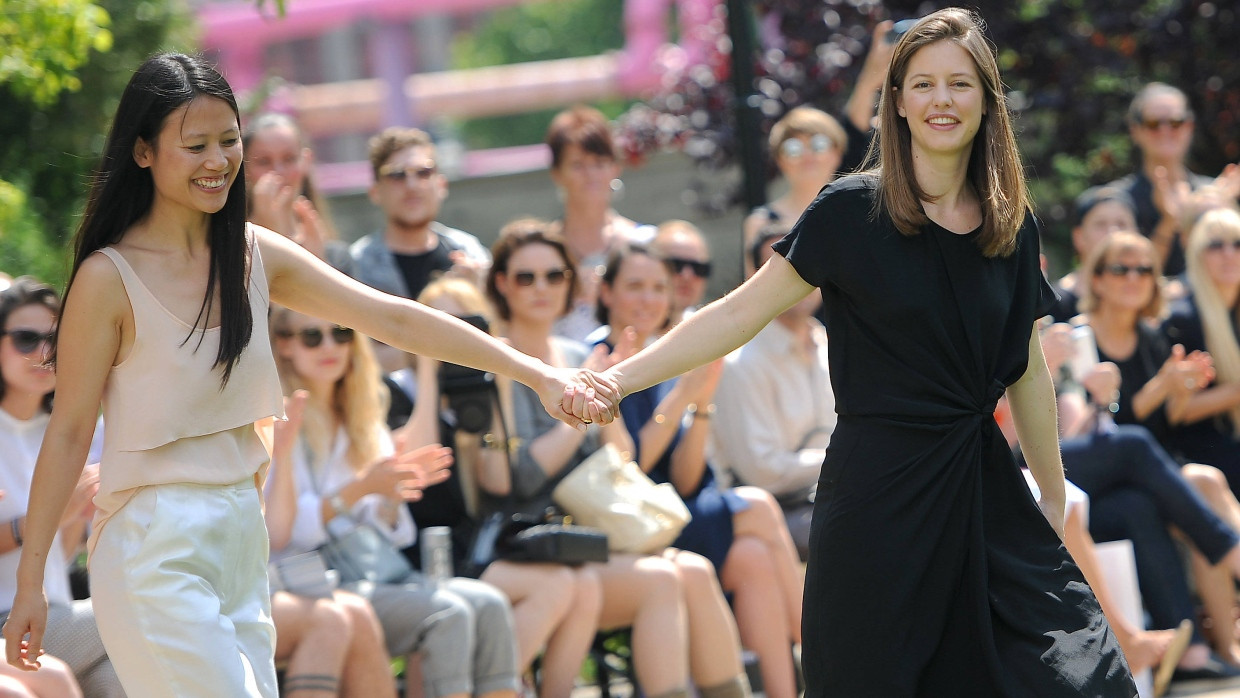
(1135,371)
(420,269)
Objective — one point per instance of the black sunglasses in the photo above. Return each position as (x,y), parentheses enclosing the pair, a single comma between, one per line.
(27,341)
(1125,270)
(700,269)
(1218,245)
(554,277)
(403,175)
(312,337)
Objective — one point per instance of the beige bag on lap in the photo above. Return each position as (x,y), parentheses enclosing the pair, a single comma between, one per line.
(610,492)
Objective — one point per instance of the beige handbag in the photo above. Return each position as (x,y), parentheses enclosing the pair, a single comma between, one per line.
(610,492)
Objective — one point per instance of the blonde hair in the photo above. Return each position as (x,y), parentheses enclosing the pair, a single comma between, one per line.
(807,121)
(995,169)
(1218,322)
(1118,243)
(359,400)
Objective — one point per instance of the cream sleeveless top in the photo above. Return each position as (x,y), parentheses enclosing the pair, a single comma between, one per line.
(167,419)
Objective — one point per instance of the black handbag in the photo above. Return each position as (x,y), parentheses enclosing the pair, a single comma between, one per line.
(527,539)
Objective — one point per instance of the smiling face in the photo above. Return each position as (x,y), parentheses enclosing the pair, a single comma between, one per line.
(1125,277)
(942,99)
(196,156)
(639,296)
(1164,130)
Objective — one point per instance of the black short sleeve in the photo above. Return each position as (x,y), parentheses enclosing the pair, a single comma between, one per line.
(820,240)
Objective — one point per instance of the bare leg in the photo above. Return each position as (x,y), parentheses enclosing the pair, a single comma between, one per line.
(765,520)
(645,593)
(749,574)
(714,641)
(53,680)
(367,667)
(308,633)
(556,608)
(1215,583)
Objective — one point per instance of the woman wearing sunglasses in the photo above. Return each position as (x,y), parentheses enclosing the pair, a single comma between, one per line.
(345,462)
(28,314)
(1208,422)
(163,327)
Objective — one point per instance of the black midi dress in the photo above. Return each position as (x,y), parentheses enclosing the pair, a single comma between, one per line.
(932,572)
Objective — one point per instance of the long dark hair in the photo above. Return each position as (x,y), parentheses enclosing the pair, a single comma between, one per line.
(121,193)
(26,291)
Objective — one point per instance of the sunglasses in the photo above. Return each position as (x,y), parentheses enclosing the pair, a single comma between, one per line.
(699,269)
(1155,124)
(554,277)
(1218,245)
(312,337)
(27,341)
(1125,270)
(402,175)
(795,147)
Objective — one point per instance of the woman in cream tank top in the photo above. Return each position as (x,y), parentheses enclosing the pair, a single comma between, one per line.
(163,325)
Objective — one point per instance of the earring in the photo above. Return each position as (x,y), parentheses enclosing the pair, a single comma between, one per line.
(617,189)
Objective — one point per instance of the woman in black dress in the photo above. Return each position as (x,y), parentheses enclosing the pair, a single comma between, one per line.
(932,570)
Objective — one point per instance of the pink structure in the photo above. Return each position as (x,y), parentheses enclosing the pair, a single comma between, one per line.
(239,35)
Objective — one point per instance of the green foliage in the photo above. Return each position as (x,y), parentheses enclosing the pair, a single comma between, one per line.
(23,248)
(50,148)
(45,42)
(536,31)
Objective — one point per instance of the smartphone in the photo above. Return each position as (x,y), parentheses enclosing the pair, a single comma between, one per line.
(1084,352)
(898,29)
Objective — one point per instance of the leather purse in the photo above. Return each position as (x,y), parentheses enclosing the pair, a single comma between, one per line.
(527,539)
(611,493)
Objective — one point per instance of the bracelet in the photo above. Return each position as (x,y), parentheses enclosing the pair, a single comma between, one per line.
(15,527)
(495,443)
(696,412)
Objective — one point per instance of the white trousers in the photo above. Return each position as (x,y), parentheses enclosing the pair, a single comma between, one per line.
(179,585)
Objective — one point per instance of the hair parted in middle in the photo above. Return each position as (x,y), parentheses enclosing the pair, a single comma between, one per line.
(995,168)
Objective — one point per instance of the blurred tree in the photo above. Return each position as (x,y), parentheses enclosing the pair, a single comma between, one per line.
(1071,67)
(52,138)
(536,31)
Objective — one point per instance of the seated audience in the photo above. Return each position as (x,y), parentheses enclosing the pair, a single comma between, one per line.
(345,464)
(1099,212)
(775,410)
(682,244)
(28,314)
(682,628)
(740,530)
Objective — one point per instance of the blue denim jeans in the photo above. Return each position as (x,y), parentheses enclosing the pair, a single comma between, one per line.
(1136,491)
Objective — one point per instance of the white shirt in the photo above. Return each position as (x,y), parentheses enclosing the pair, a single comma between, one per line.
(774,411)
(19,448)
(318,481)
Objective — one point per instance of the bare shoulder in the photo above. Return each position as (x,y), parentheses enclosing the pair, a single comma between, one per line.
(99,282)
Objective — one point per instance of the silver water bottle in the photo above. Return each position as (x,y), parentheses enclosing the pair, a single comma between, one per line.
(436,545)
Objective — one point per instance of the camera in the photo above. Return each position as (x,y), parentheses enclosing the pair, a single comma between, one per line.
(471,393)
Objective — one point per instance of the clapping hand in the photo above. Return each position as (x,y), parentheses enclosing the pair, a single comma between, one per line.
(404,475)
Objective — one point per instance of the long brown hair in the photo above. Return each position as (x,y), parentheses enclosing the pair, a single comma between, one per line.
(995,168)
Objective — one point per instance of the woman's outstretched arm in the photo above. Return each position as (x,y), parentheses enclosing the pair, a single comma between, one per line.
(300,281)
(716,329)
